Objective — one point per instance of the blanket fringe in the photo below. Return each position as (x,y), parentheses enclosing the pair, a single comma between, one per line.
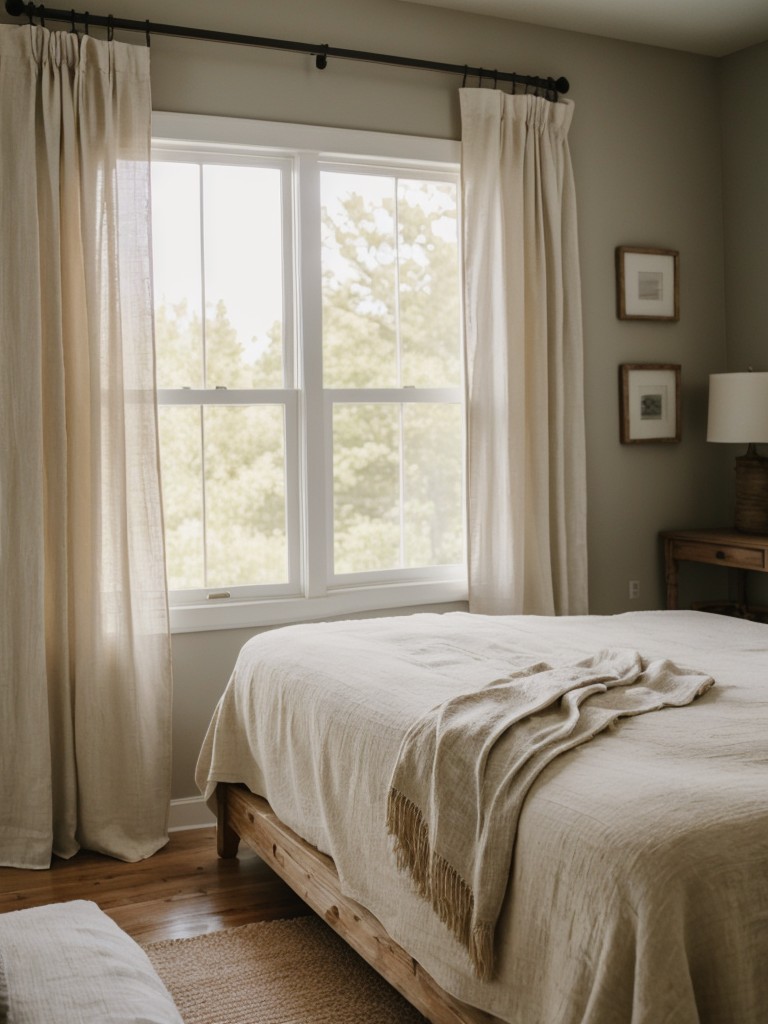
(438,882)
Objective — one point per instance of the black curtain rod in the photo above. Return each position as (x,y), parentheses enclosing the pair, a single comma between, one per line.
(320,51)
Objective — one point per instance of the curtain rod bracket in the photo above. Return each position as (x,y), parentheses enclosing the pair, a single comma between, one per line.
(321,60)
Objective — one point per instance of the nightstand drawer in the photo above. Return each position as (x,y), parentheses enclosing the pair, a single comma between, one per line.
(719,554)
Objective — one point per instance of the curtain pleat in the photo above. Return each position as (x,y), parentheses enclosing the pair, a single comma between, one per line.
(526,457)
(85,685)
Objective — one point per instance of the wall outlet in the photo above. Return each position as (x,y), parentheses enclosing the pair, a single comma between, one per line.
(634,590)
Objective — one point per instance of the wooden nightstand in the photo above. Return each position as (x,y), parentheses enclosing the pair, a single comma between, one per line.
(742,551)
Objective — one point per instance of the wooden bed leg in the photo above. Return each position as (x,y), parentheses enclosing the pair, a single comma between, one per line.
(227,840)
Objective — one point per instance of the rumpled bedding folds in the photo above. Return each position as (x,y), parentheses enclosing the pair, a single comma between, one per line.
(638,890)
(464,769)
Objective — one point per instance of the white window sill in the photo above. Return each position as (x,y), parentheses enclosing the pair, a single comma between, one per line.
(282,611)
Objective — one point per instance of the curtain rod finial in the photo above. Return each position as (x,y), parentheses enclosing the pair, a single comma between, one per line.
(562,85)
(15,7)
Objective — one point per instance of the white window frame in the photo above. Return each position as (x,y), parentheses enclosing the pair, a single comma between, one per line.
(312,591)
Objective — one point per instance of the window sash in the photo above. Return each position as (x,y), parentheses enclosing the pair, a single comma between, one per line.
(289,400)
(333,397)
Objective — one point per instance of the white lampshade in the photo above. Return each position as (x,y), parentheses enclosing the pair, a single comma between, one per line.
(738,408)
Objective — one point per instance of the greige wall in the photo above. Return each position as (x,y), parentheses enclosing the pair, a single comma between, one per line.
(743,87)
(646,148)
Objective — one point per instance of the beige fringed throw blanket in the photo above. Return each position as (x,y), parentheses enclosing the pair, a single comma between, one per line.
(464,768)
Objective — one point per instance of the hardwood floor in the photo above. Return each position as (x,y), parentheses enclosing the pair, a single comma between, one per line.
(185,889)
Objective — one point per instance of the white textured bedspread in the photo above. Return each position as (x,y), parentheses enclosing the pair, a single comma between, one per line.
(640,877)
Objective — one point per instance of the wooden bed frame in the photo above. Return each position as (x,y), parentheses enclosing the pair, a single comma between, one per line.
(313,877)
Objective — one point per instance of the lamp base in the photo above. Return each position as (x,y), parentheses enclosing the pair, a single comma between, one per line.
(752,493)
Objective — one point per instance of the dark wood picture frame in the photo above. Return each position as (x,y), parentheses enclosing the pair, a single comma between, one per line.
(649,403)
(647,283)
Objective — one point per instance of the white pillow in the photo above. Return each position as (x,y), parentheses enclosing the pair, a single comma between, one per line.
(68,963)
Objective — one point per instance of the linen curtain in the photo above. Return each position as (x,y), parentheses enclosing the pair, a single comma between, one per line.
(526,459)
(84,640)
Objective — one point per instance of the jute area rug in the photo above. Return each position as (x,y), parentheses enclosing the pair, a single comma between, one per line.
(276,972)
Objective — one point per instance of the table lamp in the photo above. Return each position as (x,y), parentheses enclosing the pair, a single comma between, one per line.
(738,414)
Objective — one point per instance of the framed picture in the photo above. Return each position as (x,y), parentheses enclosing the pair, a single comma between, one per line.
(647,285)
(649,402)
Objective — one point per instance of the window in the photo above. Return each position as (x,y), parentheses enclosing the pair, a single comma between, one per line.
(309,370)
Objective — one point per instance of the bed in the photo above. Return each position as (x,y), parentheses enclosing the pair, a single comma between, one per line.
(639,886)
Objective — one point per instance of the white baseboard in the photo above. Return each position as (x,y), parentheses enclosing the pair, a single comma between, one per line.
(190,812)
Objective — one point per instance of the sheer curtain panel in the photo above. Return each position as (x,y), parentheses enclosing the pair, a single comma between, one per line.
(526,461)
(85,678)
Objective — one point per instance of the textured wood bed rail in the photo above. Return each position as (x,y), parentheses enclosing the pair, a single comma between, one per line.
(313,876)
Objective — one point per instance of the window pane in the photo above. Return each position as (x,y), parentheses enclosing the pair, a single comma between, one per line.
(180,449)
(359,262)
(434,514)
(176,274)
(366,487)
(428,278)
(245,495)
(391,312)
(243,276)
